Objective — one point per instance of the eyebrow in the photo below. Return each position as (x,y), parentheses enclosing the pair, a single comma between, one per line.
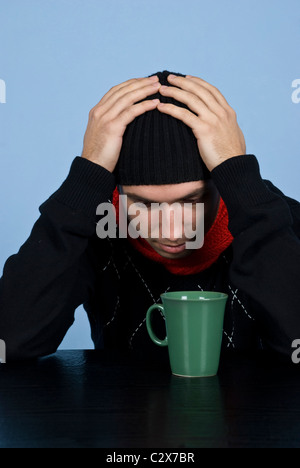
(197,192)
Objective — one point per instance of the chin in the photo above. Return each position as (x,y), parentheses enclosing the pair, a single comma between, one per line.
(174,256)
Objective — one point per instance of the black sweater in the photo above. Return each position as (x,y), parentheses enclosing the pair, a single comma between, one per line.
(64,264)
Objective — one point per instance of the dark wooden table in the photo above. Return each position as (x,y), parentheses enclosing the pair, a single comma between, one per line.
(95,399)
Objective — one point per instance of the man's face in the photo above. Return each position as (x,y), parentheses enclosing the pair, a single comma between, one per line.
(174,245)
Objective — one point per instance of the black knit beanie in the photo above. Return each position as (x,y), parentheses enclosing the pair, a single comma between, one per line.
(158,149)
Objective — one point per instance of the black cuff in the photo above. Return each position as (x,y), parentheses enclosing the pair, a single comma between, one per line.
(86,186)
(239,182)
(247,197)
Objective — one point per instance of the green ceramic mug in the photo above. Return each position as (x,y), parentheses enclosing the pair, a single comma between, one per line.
(194,330)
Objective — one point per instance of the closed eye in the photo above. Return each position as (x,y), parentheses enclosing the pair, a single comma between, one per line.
(197,200)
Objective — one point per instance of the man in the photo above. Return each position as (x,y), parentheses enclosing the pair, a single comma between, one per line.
(166,138)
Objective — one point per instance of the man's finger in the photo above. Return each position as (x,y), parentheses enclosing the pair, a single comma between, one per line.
(179,113)
(129,114)
(213,90)
(196,88)
(116,88)
(196,103)
(117,91)
(130,98)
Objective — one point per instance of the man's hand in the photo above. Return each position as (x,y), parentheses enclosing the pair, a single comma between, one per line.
(110,117)
(215,125)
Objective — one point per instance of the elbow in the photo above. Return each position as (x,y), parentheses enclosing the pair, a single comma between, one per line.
(15,352)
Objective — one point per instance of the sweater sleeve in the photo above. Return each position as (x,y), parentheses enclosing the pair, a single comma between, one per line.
(50,276)
(266,249)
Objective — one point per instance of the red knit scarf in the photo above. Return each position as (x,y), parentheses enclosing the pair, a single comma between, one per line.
(216,241)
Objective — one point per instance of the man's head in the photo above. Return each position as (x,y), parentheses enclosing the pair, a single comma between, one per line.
(160,162)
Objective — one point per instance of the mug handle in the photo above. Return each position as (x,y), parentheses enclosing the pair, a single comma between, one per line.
(152,335)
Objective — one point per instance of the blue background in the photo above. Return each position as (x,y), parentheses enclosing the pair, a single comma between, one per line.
(59,57)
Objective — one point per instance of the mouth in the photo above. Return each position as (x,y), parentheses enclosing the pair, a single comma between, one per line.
(172,248)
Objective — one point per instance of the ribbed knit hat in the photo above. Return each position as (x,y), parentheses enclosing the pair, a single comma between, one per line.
(158,149)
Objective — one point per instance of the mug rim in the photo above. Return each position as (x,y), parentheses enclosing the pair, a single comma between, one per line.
(167,294)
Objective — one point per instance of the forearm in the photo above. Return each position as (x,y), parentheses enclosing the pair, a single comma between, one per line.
(50,277)
(266,249)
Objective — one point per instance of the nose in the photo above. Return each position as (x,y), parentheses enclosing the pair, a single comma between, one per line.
(172,226)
